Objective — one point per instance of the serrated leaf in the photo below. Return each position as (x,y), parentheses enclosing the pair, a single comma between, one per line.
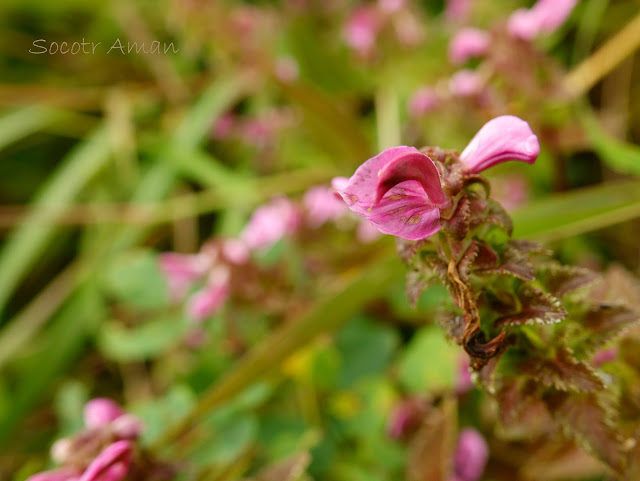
(607,321)
(407,249)
(585,419)
(465,263)
(416,285)
(536,307)
(513,263)
(563,372)
(431,450)
(487,258)
(495,215)
(530,247)
(458,224)
(560,280)
(521,410)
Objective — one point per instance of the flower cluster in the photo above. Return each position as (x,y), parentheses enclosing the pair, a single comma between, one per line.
(106,450)
(204,281)
(524,25)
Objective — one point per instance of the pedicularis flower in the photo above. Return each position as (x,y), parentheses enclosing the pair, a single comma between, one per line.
(546,16)
(468,43)
(402,191)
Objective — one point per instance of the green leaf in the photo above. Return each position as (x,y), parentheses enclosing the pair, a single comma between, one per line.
(618,155)
(366,349)
(429,362)
(145,341)
(134,279)
(578,211)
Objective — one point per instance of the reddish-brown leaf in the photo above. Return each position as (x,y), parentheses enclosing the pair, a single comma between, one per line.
(585,420)
(536,306)
(563,371)
(560,280)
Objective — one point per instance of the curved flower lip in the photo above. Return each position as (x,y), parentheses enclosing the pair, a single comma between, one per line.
(501,139)
(399,191)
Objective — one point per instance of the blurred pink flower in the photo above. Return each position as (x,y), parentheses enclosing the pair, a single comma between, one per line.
(423,100)
(499,140)
(322,205)
(468,43)
(399,191)
(546,16)
(270,223)
(405,417)
(463,382)
(127,426)
(100,412)
(466,83)
(390,6)
(209,299)
(471,455)
(235,251)
(511,191)
(361,29)
(286,69)
(223,127)
(604,355)
(181,270)
(457,10)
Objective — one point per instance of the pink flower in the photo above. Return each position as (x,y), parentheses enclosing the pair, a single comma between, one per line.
(546,16)
(235,250)
(405,417)
(471,455)
(322,205)
(127,426)
(466,83)
(224,126)
(286,69)
(501,139)
(464,383)
(112,464)
(423,100)
(457,10)
(181,270)
(270,223)
(100,412)
(468,43)
(390,6)
(399,191)
(605,355)
(211,298)
(361,29)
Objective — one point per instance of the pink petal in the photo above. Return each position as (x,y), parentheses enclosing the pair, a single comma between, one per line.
(468,43)
(423,100)
(501,139)
(466,83)
(100,412)
(270,223)
(524,24)
(181,270)
(604,355)
(471,455)
(457,10)
(361,29)
(553,13)
(62,474)
(236,251)
(399,191)
(208,300)
(127,426)
(322,205)
(112,464)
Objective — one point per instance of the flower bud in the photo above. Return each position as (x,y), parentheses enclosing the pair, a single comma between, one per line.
(100,412)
